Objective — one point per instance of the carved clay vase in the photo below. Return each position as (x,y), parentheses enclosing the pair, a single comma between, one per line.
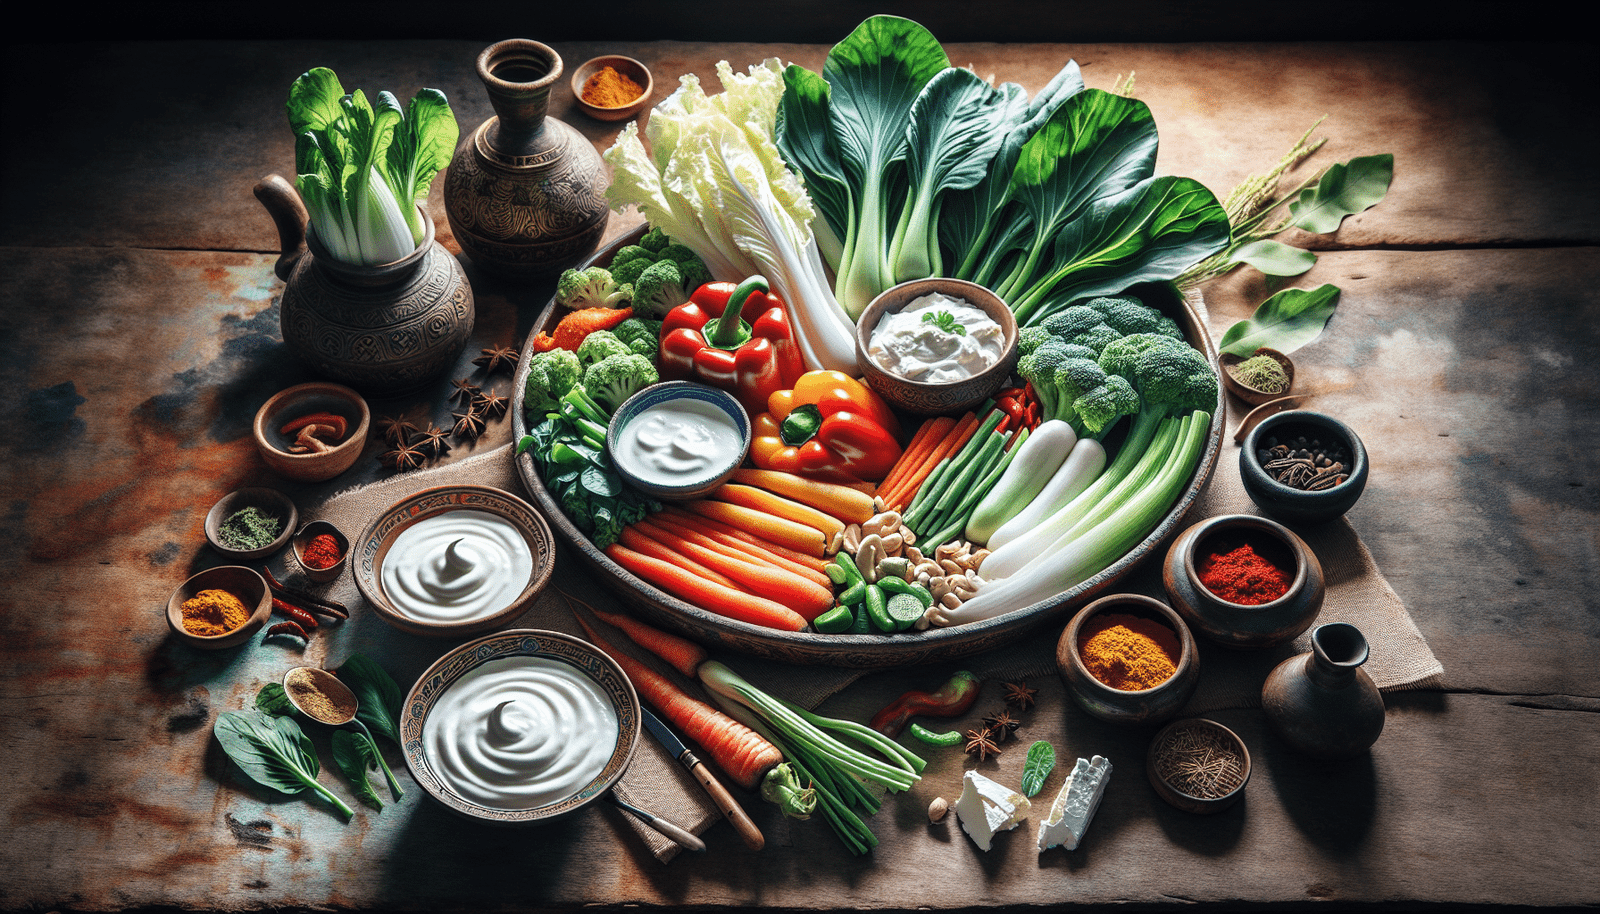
(384,330)
(1323,703)
(525,192)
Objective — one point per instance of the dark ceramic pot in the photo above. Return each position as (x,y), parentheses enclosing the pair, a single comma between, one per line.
(525,192)
(1323,703)
(1148,706)
(1237,625)
(1287,503)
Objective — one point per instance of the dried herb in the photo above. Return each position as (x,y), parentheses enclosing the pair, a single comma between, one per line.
(1199,761)
(249,528)
(1305,463)
(1041,759)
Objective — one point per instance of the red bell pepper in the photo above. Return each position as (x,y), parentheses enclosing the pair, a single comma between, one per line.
(829,426)
(733,337)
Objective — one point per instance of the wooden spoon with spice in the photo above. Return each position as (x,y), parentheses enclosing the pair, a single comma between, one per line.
(319,695)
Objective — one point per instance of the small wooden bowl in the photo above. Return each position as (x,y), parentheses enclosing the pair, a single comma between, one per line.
(1163,744)
(373,546)
(927,397)
(1236,625)
(438,678)
(304,399)
(628,67)
(1250,394)
(245,583)
(307,533)
(1147,706)
(270,501)
(657,394)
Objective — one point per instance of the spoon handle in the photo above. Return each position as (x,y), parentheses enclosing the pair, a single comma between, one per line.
(676,832)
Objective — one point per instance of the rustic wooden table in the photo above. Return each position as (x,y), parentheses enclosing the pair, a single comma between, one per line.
(140,328)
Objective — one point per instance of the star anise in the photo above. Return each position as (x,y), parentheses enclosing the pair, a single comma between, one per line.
(1002,726)
(396,430)
(468,425)
(490,405)
(1019,696)
(403,457)
(435,441)
(981,743)
(497,358)
(465,391)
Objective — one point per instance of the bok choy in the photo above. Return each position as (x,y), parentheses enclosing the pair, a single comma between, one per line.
(364,168)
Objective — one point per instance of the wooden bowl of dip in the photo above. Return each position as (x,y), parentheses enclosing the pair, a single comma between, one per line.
(563,684)
(925,397)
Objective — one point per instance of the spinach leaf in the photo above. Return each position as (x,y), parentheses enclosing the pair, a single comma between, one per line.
(273,699)
(1343,190)
(1041,759)
(274,752)
(1275,258)
(1285,322)
(355,754)
(377,692)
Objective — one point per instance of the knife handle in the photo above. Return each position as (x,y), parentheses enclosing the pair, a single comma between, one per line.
(731,810)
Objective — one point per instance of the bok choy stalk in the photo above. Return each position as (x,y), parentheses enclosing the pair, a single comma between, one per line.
(365,168)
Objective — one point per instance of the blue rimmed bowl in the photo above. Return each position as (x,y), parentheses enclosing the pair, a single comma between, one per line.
(686,485)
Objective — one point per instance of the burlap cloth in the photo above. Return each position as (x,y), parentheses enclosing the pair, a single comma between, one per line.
(1356,593)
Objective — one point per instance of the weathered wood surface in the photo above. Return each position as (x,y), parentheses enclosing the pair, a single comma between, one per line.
(140,327)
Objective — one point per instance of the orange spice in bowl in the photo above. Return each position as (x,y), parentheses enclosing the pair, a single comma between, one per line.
(213,612)
(610,88)
(1129,653)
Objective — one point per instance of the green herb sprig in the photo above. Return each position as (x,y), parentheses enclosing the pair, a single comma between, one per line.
(945,321)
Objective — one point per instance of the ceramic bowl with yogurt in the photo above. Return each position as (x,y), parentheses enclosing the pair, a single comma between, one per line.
(453,560)
(914,366)
(678,440)
(521,726)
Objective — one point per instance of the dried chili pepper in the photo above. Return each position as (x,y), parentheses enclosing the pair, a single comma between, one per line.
(288,628)
(952,699)
(336,424)
(316,603)
(306,620)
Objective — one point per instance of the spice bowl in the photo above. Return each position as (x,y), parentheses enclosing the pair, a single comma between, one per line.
(1255,396)
(1300,429)
(266,501)
(276,435)
(429,699)
(246,584)
(1153,705)
(451,613)
(1246,626)
(1198,765)
(935,397)
(624,66)
(309,532)
(723,418)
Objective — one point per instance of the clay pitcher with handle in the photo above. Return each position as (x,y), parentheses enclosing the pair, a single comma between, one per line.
(384,330)
(525,192)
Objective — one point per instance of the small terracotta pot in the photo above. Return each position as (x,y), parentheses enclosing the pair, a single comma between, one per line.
(1147,706)
(1237,625)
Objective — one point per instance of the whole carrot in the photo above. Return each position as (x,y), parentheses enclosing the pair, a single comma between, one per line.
(684,655)
(708,595)
(780,585)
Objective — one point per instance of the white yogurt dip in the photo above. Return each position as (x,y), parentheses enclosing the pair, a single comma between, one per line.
(908,345)
(520,733)
(678,442)
(457,566)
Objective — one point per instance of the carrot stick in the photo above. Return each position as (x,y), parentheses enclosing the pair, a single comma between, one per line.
(895,497)
(762,500)
(763,579)
(684,655)
(708,595)
(944,447)
(639,541)
(780,530)
(849,505)
(912,456)
(742,753)
(738,548)
(710,527)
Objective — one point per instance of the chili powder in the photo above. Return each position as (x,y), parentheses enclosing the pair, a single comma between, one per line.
(1242,575)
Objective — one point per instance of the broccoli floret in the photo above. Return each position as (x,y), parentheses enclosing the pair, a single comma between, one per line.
(615,378)
(598,345)
(654,240)
(1069,322)
(628,273)
(1170,376)
(659,290)
(678,253)
(1031,338)
(1098,409)
(642,336)
(550,375)
(632,252)
(695,274)
(591,288)
(1072,387)
(1127,316)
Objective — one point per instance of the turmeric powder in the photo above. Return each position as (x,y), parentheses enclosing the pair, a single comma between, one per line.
(213,612)
(1129,653)
(608,88)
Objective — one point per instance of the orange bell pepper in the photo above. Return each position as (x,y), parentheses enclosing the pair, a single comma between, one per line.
(829,426)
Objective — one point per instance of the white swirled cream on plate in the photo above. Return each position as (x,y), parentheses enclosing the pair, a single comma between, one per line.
(457,566)
(520,733)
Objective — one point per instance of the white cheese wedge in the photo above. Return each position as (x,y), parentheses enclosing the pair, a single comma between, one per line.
(986,808)
(1074,806)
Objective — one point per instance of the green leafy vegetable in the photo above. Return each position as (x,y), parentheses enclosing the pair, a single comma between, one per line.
(1343,190)
(945,321)
(1041,759)
(569,451)
(355,754)
(1285,322)
(1275,258)
(274,699)
(274,752)
(377,692)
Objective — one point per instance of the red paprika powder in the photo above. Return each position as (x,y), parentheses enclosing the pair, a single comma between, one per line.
(1242,575)
(321,551)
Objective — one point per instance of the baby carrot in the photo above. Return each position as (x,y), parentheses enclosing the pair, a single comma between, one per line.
(848,504)
(697,529)
(804,596)
(912,456)
(708,595)
(762,500)
(773,550)
(780,530)
(640,541)
(684,655)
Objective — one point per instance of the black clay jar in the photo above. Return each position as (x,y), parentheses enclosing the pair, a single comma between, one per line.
(1323,703)
(1240,625)
(1291,504)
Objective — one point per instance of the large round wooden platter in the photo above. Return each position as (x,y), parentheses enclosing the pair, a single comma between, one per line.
(870,651)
